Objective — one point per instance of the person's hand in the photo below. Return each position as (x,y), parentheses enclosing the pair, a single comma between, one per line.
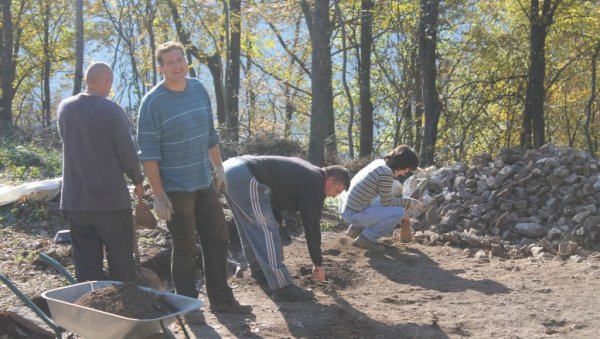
(319,273)
(415,205)
(139,190)
(163,207)
(220,179)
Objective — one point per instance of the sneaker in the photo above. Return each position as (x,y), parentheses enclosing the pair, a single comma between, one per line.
(363,242)
(195,317)
(353,232)
(292,292)
(233,306)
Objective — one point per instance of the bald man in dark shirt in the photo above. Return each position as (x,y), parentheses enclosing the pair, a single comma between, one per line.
(97,151)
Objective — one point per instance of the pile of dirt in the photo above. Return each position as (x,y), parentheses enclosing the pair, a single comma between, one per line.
(127,300)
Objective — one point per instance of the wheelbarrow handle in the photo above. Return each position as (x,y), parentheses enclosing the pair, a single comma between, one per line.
(57,330)
(58,266)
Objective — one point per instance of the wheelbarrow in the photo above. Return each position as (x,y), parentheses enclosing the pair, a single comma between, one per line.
(93,323)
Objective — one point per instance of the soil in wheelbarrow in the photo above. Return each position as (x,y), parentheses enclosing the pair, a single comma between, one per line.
(127,300)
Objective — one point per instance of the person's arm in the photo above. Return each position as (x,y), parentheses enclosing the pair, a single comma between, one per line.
(312,230)
(384,190)
(311,220)
(215,156)
(150,153)
(152,172)
(125,148)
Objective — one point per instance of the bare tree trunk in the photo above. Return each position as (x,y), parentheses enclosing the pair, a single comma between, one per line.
(47,65)
(322,136)
(7,67)
(233,77)
(366,106)
(78,80)
(342,24)
(533,116)
(417,95)
(213,62)
(129,41)
(251,95)
(589,113)
(431,102)
(150,14)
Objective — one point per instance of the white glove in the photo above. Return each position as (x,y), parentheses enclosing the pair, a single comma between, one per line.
(396,188)
(415,204)
(163,207)
(220,179)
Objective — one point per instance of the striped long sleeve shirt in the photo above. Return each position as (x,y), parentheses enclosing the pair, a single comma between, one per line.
(176,129)
(375,180)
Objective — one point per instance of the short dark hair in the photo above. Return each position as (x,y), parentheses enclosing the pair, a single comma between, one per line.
(167,47)
(339,174)
(402,157)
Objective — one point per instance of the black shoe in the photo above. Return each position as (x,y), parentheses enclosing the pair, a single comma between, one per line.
(231,307)
(259,277)
(362,242)
(292,292)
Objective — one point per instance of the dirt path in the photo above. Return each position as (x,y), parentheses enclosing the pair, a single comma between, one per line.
(417,291)
(409,291)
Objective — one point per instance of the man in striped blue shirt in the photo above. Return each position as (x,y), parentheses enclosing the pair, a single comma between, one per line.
(177,144)
(369,206)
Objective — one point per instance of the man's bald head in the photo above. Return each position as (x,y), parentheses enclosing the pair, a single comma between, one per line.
(98,79)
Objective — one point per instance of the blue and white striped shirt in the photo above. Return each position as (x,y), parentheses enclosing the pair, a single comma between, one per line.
(176,129)
(375,180)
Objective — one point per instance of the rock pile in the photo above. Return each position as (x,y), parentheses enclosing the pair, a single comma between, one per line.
(540,202)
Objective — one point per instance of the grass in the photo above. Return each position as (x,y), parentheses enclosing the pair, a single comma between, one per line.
(26,163)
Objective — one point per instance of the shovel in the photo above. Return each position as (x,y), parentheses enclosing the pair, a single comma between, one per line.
(145,276)
(143,216)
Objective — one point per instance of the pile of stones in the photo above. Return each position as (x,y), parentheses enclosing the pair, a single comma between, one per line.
(541,202)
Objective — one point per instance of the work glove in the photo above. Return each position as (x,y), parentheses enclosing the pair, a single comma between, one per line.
(220,179)
(415,204)
(163,207)
(318,273)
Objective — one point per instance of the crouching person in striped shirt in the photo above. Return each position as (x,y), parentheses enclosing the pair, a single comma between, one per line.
(369,206)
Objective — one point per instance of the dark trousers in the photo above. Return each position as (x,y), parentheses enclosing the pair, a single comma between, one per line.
(93,233)
(199,213)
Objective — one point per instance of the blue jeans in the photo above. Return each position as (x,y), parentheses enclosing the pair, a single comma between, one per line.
(376,220)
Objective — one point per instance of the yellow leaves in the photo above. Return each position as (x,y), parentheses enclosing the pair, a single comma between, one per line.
(268,43)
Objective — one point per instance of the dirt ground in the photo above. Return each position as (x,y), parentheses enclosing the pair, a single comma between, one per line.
(419,291)
(409,291)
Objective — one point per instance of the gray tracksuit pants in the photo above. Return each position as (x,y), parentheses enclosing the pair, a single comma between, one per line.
(250,203)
